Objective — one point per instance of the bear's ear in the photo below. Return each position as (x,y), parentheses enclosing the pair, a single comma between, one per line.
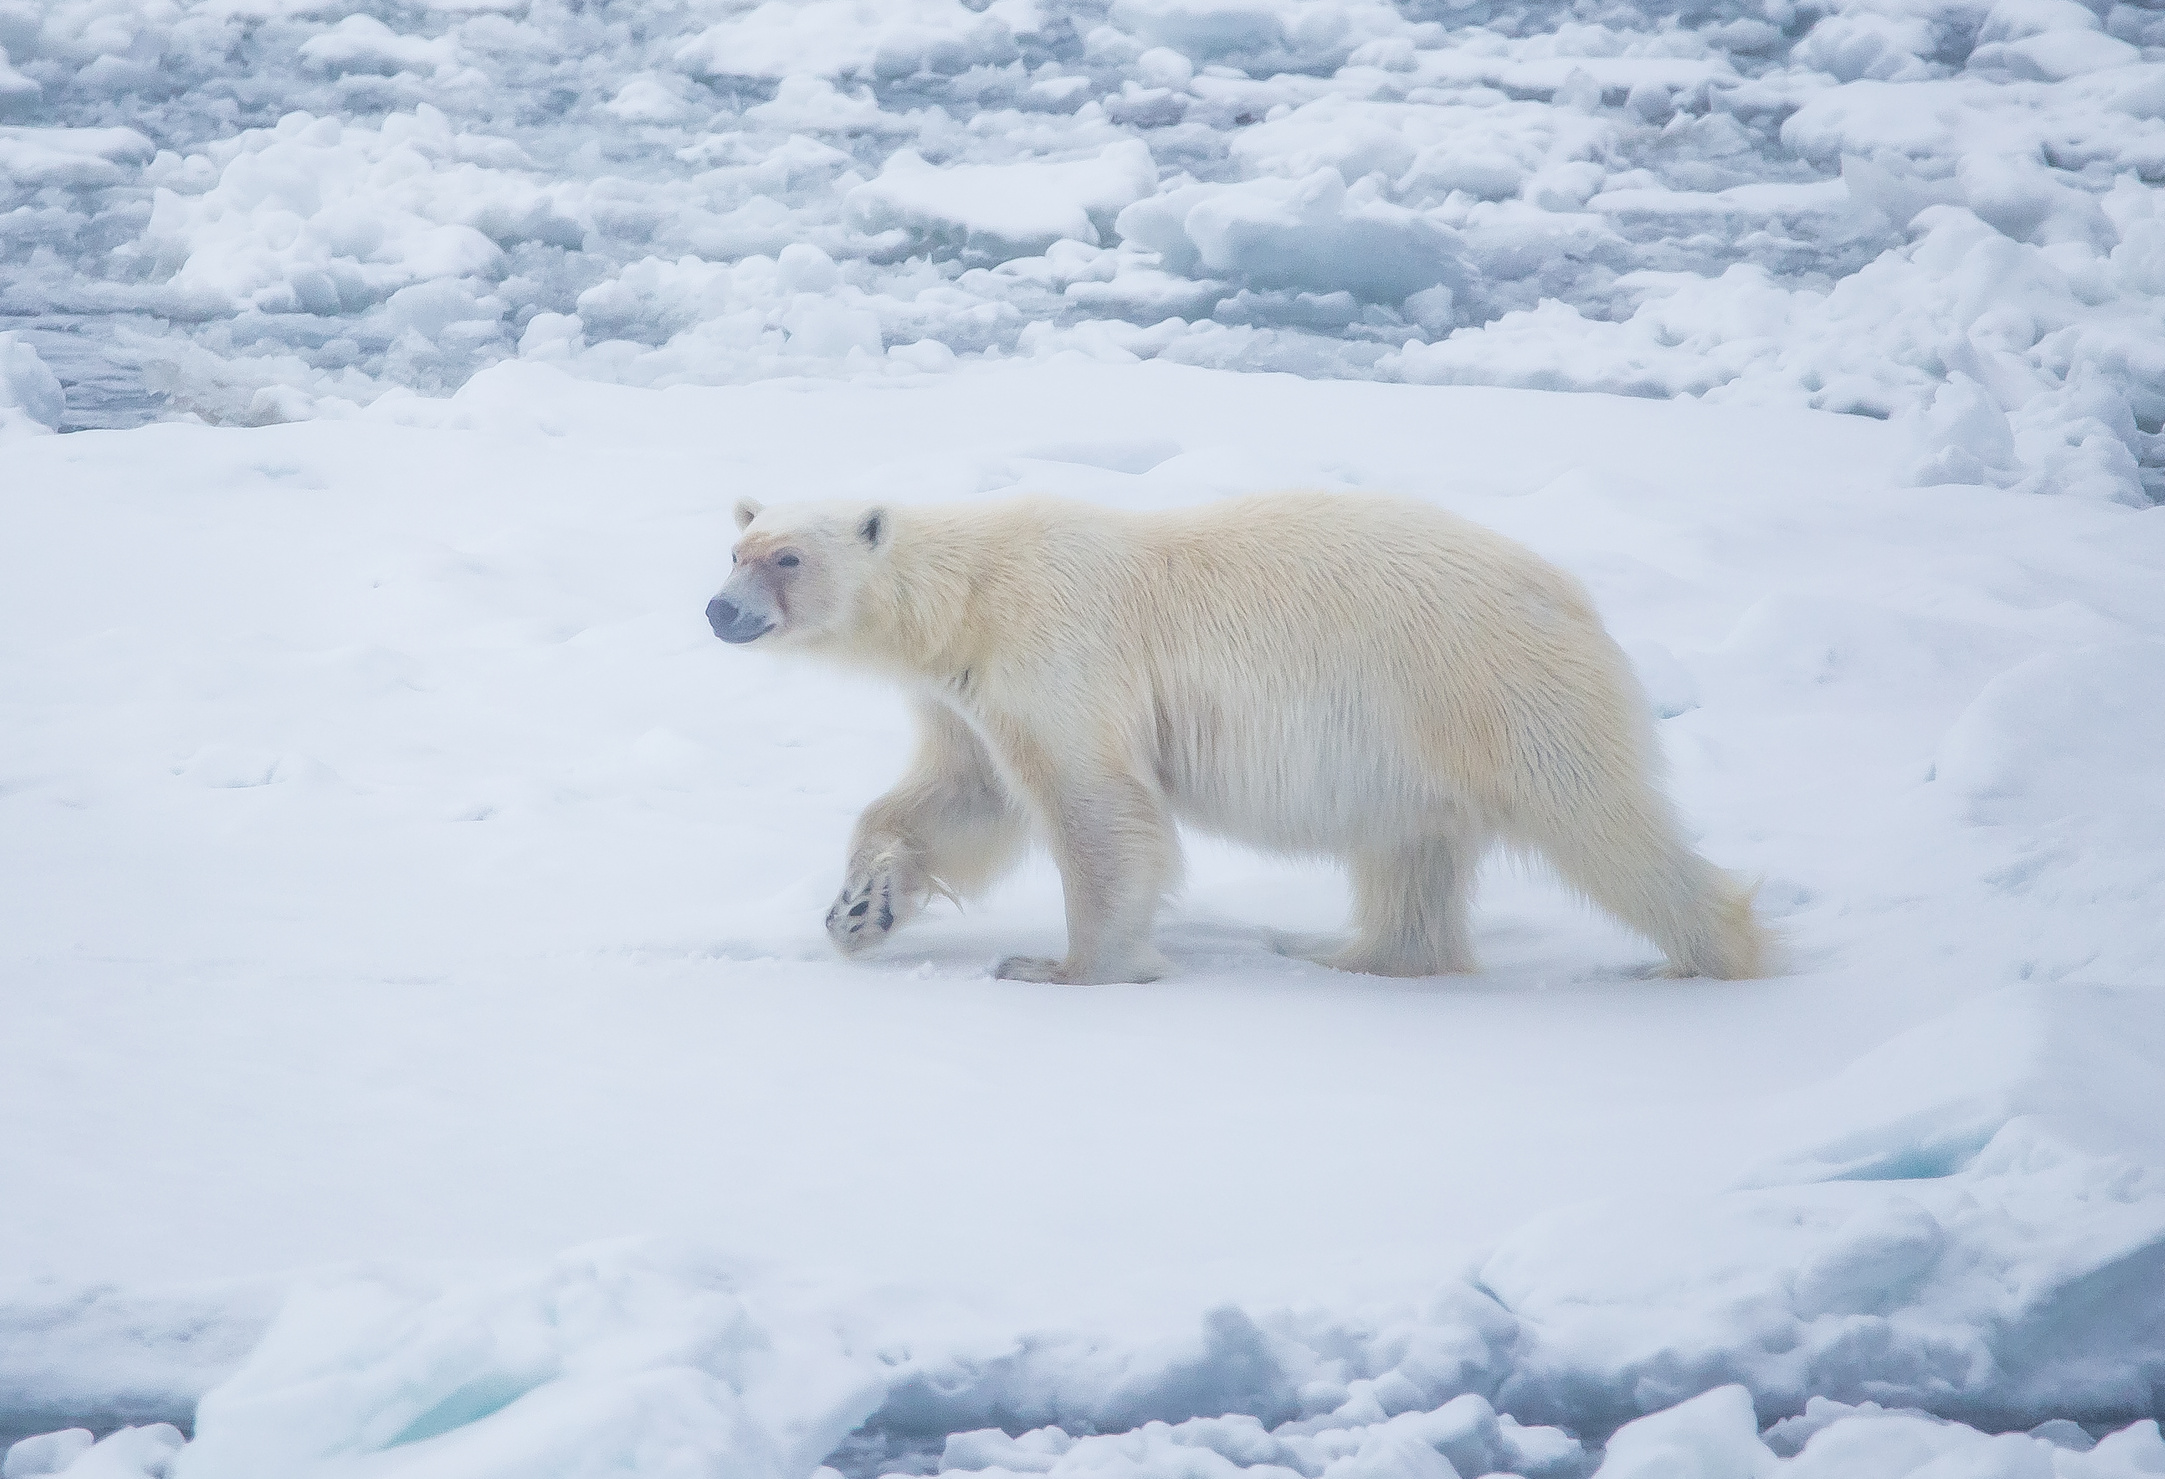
(748,509)
(872,528)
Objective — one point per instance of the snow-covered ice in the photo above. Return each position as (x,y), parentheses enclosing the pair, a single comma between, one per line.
(423,1054)
(404,887)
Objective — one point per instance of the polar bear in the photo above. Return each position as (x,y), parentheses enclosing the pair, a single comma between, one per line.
(1362,677)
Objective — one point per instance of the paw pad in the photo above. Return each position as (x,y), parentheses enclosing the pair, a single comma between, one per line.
(865,911)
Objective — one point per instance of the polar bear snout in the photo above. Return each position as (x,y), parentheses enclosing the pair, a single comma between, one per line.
(735,623)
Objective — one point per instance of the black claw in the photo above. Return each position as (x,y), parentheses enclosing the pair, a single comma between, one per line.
(862,905)
(887,917)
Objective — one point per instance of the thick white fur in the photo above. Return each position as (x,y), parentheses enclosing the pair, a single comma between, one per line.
(1366,678)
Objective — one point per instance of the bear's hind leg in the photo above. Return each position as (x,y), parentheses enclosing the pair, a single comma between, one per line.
(1412,909)
(1628,856)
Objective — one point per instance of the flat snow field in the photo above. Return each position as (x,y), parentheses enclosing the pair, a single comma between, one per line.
(403,887)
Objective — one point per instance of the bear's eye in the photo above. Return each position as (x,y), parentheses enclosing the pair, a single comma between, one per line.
(787,561)
(732,557)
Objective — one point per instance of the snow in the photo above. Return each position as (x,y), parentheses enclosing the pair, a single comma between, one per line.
(405,888)
(2082,763)
(1006,210)
(424,1055)
(1311,235)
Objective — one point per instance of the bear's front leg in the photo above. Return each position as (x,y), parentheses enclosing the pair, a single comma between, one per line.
(1118,854)
(883,889)
(948,828)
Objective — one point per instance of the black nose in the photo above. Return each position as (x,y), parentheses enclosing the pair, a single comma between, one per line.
(732,623)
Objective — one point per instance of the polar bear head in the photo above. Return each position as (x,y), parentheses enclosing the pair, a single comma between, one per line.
(796,574)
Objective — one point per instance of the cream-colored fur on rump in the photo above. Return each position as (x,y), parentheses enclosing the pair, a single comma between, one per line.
(1366,678)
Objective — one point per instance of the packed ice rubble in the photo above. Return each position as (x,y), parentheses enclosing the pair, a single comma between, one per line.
(32,401)
(1714,1436)
(1946,210)
(1977,1248)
